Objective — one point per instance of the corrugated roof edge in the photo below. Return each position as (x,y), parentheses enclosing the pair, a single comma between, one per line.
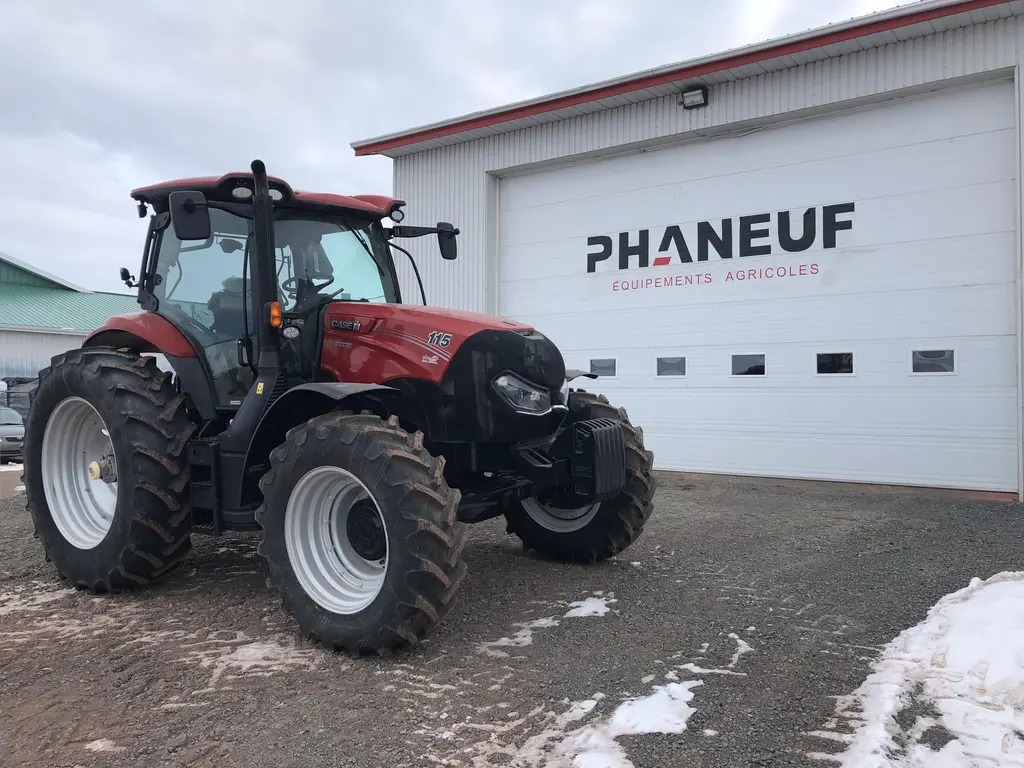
(861,26)
(41,273)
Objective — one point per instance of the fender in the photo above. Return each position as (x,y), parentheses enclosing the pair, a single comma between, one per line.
(156,333)
(575,373)
(149,332)
(303,402)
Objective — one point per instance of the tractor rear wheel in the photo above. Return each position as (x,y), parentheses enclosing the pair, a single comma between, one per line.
(106,475)
(598,531)
(360,533)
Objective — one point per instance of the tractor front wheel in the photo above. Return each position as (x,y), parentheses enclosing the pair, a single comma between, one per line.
(106,475)
(360,533)
(598,531)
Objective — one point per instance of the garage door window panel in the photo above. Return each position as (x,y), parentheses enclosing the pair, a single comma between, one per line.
(933,362)
(830,364)
(748,365)
(605,367)
(671,367)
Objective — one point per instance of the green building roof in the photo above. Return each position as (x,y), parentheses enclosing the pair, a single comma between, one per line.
(33,306)
(33,299)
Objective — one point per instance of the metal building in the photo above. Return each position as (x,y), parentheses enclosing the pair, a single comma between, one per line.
(797,259)
(42,315)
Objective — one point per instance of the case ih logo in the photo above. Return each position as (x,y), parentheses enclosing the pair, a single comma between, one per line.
(752,238)
(346,325)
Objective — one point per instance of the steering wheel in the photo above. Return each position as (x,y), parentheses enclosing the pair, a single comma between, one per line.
(293,290)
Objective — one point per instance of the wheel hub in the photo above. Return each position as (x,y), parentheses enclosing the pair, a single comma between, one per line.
(559,520)
(79,473)
(365,531)
(336,540)
(105,469)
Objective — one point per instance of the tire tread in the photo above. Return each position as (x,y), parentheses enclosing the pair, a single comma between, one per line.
(611,531)
(152,417)
(429,540)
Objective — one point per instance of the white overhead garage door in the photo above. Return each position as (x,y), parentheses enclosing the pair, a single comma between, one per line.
(833,298)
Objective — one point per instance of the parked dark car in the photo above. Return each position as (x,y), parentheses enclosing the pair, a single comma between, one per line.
(12,433)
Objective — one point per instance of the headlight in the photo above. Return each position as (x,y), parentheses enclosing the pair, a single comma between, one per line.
(522,396)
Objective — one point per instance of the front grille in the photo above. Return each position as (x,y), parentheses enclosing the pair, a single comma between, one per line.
(13,439)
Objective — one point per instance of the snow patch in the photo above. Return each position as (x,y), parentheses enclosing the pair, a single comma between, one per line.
(257,659)
(103,745)
(22,599)
(520,639)
(959,673)
(742,647)
(666,710)
(691,667)
(592,606)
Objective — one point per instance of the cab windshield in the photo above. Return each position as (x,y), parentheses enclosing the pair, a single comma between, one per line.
(199,285)
(330,256)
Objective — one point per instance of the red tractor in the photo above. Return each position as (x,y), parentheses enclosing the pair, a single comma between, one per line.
(359,434)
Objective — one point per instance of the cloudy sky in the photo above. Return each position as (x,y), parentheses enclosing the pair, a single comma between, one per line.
(104,96)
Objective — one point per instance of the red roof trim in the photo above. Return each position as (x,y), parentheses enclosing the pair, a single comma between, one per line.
(617,89)
(377,204)
(373,203)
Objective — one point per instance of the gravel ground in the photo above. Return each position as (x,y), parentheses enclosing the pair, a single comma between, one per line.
(205,670)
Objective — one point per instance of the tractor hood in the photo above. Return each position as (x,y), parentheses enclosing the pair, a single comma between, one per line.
(449,362)
(424,341)
(449,320)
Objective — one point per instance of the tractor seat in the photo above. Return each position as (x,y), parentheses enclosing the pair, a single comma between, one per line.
(228,313)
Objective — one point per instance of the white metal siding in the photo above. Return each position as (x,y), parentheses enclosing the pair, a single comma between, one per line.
(457,183)
(453,183)
(930,263)
(24,354)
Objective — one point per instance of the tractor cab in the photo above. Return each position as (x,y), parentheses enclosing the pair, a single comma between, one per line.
(202,279)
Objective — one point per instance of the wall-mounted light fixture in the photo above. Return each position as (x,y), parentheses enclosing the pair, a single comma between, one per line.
(695,97)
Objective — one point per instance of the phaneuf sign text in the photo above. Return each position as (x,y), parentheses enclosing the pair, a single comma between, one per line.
(747,236)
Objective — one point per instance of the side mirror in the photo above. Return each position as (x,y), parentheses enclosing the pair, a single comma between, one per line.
(128,278)
(446,240)
(189,215)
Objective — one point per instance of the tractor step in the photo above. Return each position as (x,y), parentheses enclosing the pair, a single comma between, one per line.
(204,490)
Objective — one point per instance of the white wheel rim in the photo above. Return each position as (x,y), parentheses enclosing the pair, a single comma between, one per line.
(322,554)
(560,520)
(82,507)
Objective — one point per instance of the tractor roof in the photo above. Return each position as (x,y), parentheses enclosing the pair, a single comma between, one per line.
(220,188)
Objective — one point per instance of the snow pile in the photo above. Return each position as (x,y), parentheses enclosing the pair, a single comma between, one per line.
(948,693)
